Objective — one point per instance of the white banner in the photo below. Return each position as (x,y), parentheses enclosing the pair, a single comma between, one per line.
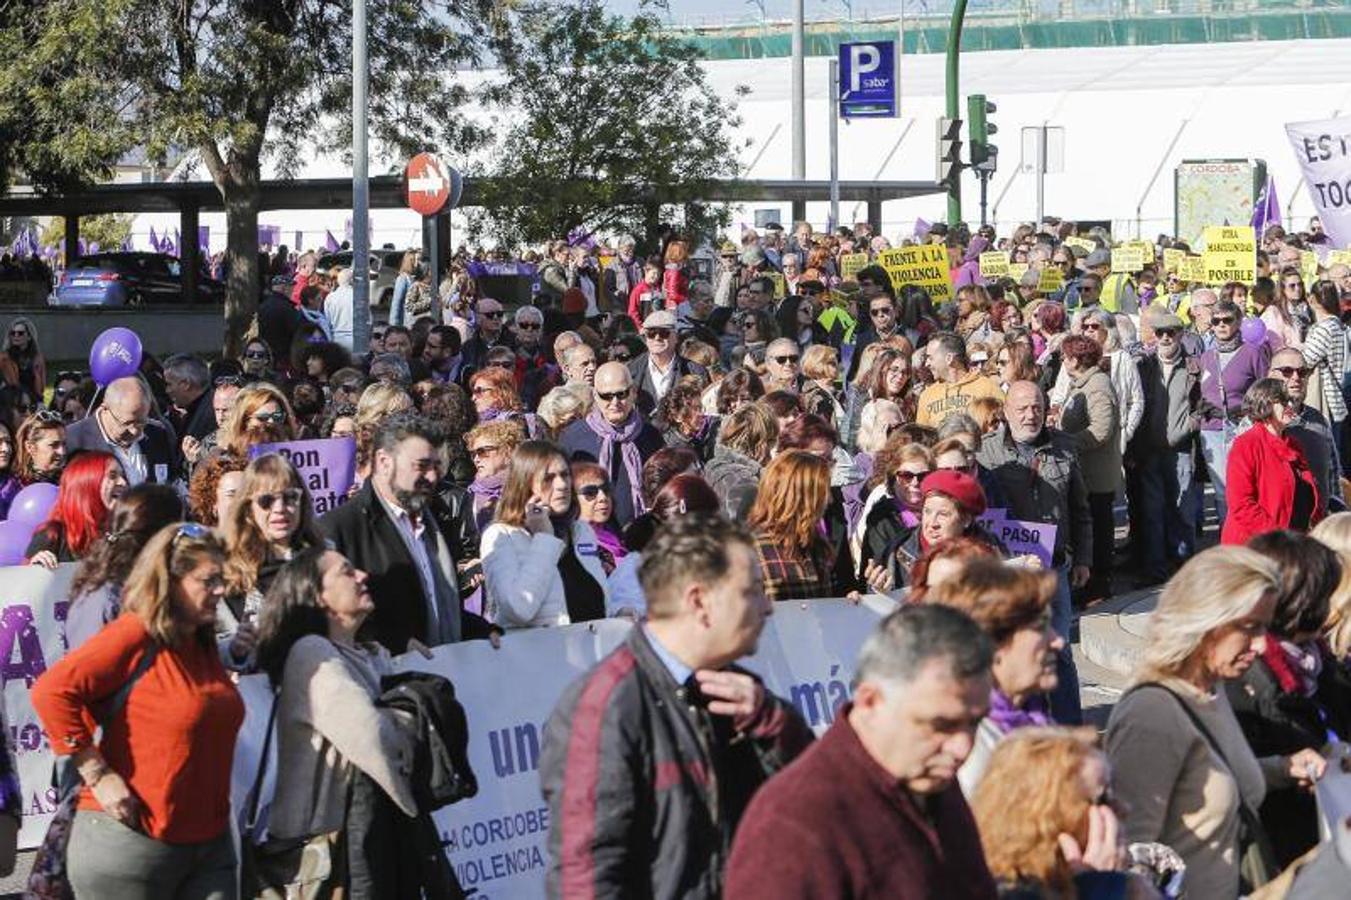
(1324,153)
(497,842)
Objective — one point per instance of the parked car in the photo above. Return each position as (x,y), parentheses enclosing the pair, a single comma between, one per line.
(384,269)
(128,279)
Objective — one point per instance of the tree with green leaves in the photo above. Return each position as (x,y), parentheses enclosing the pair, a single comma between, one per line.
(82,82)
(109,231)
(605,118)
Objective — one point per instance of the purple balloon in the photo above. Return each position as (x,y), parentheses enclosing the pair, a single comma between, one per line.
(116,354)
(32,504)
(14,538)
(1254,330)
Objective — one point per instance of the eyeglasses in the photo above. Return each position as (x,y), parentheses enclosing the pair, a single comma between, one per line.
(274,418)
(1166,332)
(50,417)
(480,389)
(484,450)
(612,396)
(492,314)
(1292,371)
(592,491)
(785,360)
(290,498)
(876,311)
(658,334)
(529,326)
(1223,320)
(911,477)
(262,354)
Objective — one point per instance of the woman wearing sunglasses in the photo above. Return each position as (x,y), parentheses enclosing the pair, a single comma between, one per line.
(22,363)
(153,815)
(40,448)
(892,500)
(272,519)
(541,562)
(261,415)
(595,503)
(257,360)
(90,486)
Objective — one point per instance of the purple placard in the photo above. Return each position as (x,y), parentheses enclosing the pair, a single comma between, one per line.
(328,466)
(1021,538)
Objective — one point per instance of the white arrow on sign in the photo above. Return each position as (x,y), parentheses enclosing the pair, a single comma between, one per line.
(433,181)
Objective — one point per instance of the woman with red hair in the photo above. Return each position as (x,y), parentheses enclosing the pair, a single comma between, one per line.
(495,397)
(675,280)
(90,484)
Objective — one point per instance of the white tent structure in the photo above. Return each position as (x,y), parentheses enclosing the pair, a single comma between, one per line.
(1129,115)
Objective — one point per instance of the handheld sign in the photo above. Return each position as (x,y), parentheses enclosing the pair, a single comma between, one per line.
(327,466)
(1127,259)
(850,264)
(994,264)
(925,266)
(1230,254)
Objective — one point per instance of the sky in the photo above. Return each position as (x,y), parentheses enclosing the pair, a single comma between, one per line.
(695,11)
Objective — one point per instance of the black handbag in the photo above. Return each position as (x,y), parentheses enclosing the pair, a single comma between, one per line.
(310,868)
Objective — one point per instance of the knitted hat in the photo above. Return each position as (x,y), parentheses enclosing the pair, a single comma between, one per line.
(960,487)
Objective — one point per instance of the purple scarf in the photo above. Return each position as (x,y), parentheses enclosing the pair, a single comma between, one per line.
(486,492)
(627,440)
(610,541)
(1007,717)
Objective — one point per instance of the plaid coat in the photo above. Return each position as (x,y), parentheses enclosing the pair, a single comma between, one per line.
(793,575)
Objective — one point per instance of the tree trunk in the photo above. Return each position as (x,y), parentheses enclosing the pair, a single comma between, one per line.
(242,288)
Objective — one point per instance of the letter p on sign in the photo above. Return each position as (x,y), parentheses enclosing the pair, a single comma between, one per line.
(864,59)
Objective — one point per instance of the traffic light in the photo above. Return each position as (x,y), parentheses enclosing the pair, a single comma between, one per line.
(949,150)
(984,155)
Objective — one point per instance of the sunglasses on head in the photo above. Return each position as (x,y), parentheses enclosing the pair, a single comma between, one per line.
(592,491)
(228,381)
(48,416)
(193,531)
(290,498)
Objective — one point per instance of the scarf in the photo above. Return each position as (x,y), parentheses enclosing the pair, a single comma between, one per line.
(626,438)
(610,541)
(1230,345)
(489,487)
(1008,717)
(1295,666)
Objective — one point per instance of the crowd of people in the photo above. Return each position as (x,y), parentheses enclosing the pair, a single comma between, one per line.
(681,446)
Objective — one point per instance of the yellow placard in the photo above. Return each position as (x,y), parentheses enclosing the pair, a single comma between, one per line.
(1172,259)
(851,263)
(994,264)
(924,266)
(606,261)
(1308,266)
(1230,254)
(1127,259)
(1342,257)
(1083,243)
(1192,268)
(1146,249)
(1017,271)
(1051,280)
(780,285)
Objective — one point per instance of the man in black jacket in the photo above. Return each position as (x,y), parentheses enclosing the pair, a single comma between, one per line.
(121,425)
(650,758)
(656,371)
(400,533)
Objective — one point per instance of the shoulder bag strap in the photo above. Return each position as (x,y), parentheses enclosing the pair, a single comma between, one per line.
(251,814)
(65,776)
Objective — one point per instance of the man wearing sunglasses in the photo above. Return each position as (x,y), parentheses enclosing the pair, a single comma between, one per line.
(783,366)
(656,371)
(1228,369)
(1310,428)
(122,426)
(617,437)
(489,319)
(1161,452)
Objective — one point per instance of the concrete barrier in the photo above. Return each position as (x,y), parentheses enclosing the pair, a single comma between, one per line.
(66,334)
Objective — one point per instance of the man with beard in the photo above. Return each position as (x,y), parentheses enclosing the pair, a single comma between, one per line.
(401,534)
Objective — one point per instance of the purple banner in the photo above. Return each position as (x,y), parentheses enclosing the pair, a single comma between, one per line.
(480,269)
(327,466)
(1021,538)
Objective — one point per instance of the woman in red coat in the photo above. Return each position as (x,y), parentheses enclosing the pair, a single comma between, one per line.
(1269,485)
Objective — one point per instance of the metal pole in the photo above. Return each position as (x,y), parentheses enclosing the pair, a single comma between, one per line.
(834,97)
(984,189)
(361,201)
(799,95)
(1041,171)
(953,106)
(900,54)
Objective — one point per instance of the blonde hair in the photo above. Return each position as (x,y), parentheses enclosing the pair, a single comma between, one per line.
(167,557)
(821,363)
(245,546)
(238,433)
(794,492)
(377,402)
(751,430)
(1334,532)
(987,411)
(565,404)
(1032,792)
(1214,588)
(869,439)
(507,434)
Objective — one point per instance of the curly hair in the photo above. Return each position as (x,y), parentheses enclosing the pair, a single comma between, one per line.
(1039,773)
(446,403)
(674,407)
(794,492)
(738,385)
(502,386)
(1085,351)
(206,482)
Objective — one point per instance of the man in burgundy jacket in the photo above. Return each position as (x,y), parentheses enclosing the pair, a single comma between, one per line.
(873,808)
(650,758)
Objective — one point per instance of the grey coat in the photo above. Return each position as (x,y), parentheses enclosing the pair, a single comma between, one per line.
(735,478)
(1092,419)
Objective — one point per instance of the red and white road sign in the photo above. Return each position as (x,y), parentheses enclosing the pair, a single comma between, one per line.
(427,184)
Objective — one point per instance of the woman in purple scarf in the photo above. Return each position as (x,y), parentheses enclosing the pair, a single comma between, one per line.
(490,447)
(595,498)
(1013,606)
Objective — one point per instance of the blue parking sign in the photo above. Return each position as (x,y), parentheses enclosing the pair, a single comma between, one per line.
(868,83)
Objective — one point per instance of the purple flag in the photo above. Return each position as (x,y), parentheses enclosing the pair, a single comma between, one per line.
(1267,210)
(126,245)
(204,239)
(921,228)
(330,242)
(154,241)
(93,247)
(81,246)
